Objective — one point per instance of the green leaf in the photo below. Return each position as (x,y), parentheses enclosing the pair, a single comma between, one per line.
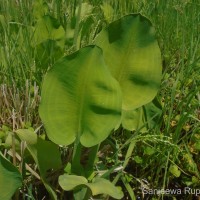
(108,11)
(98,186)
(40,8)
(133,119)
(174,170)
(9,141)
(47,53)
(2,134)
(138,159)
(86,27)
(195,180)
(86,10)
(197,145)
(128,188)
(80,99)
(48,28)
(45,154)
(48,42)
(5,128)
(133,57)
(149,150)
(143,118)
(2,23)
(70,182)
(103,186)
(10,179)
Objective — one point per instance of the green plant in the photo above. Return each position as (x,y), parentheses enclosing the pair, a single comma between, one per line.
(82,102)
(10,178)
(168,144)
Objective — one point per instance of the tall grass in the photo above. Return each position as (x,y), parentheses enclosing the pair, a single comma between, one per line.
(174,141)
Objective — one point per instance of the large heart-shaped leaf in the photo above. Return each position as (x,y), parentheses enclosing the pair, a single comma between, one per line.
(98,186)
(10,179)
(133,57)
(80,99)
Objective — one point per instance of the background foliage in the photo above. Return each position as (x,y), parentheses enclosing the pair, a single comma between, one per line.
(165,156)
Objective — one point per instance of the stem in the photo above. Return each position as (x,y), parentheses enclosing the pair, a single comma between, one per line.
(28,168)
(127,158)
(22,158)
(129,153)
(165,175)
(91,160)
(13,140)
(77,168)
(14,150)
(75,42)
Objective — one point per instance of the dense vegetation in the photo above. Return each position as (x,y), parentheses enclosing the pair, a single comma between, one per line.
(162,154)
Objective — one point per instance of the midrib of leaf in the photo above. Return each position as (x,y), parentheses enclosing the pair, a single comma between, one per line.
(123,62)
(82,96)
(76,166)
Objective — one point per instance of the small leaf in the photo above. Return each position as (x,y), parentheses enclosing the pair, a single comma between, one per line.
(107,11)
(68,168)
(197,145)
(40,8)
(5,128)
(48,28)
(70,182)
(195,180)
(138,159)
(48,42)
(149,151)
(48,52)
(2,23)
(103,186)
(133,119)
(10,179)
(98,186)
(9,141)
(2,134)
(174,170)
(143,118)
